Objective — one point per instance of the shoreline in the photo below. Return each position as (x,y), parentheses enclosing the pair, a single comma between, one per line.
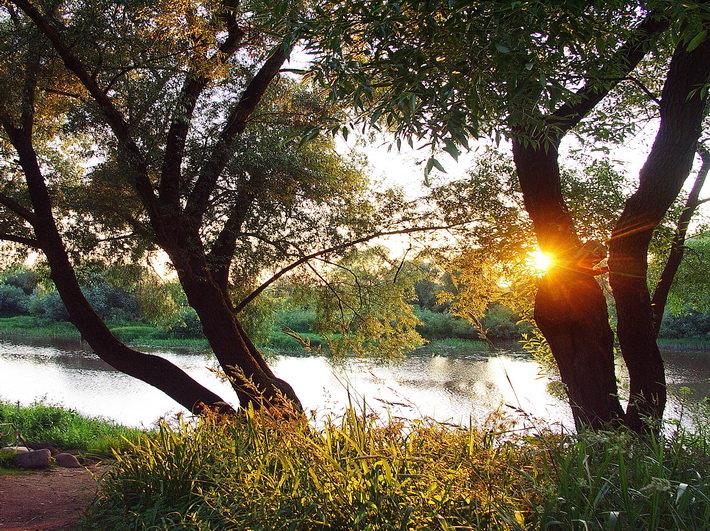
(139,335)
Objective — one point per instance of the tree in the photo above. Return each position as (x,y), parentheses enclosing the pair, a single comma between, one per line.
(181,115)
(154,141)
(448,71)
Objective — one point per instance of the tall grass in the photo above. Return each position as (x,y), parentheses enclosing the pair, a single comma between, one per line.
(360,472)
(65,428)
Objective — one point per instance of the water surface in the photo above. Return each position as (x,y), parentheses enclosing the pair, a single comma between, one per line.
(448,388)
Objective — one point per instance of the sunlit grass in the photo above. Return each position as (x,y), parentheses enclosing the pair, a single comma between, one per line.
(363,472)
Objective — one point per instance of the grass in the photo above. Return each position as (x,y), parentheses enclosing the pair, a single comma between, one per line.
(65,428)
(361,472)
(27,325)
(453,345)
(684,343)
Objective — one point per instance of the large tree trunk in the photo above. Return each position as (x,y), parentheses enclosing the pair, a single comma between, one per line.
(570,308)
(252,378)
(153,370)
(682,110)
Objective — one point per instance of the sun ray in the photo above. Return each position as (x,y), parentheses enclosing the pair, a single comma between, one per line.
(539,262)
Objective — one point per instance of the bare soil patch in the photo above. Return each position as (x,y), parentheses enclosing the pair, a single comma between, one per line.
(53,499)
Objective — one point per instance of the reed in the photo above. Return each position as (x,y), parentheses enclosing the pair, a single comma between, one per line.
(362,472)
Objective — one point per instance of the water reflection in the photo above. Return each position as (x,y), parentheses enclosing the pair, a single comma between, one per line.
(454,389)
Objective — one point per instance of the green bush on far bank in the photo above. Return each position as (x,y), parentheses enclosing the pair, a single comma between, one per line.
(358,472)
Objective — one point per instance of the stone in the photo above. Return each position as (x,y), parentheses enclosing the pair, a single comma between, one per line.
(34,459)
(44,445)
(66,460)
(14,450)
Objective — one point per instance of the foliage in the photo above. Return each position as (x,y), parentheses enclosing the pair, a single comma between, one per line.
(448,71)
(363,307)
(13,301)
(359,472)
(187,325)
(298,320)
(686,325)
(691,288)
(49,305)
(439,325)
(65,428)
(21,277)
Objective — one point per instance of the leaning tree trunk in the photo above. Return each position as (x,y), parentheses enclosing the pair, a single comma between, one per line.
(570,308)
(682,110)
(675,256)
(153,370)
(252,378)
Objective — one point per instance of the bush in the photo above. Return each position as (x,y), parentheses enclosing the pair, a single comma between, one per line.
(439,325)
(20,277)
(112,302)
(186,326)
(502,323)
(687,325)
(48,305)
(109,302)
(297,320)
(13,301)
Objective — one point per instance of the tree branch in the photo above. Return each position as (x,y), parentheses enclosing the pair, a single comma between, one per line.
(306,258)
(222,252)
(675,257)
(235,125)
(115,119)
(193,86)
(30,242)
(627,57)
(17,208)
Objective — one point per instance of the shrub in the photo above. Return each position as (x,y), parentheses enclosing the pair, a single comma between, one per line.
(112,302)
(20,277)
(686,325)
(300,320)
(439,325)
(48,305)
(186,326)
(13,301)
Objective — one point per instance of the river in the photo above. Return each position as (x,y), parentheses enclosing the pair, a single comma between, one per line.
(451,388)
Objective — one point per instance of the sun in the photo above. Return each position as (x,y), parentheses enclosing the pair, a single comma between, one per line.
(539,262)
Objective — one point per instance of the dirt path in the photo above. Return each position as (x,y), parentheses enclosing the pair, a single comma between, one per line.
(49,500)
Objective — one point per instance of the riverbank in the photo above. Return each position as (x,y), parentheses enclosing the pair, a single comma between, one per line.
(64,428)
(146,335)
(360,472)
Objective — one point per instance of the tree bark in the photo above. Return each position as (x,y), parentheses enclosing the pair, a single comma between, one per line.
(682,111)
(570,308)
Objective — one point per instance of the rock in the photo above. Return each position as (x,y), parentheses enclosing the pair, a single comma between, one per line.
(14,450)
(66,460)
(44,445)
(34,459)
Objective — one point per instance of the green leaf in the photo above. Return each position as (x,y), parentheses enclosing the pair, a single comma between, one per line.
(451,149)
(697,41)
(502,49)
